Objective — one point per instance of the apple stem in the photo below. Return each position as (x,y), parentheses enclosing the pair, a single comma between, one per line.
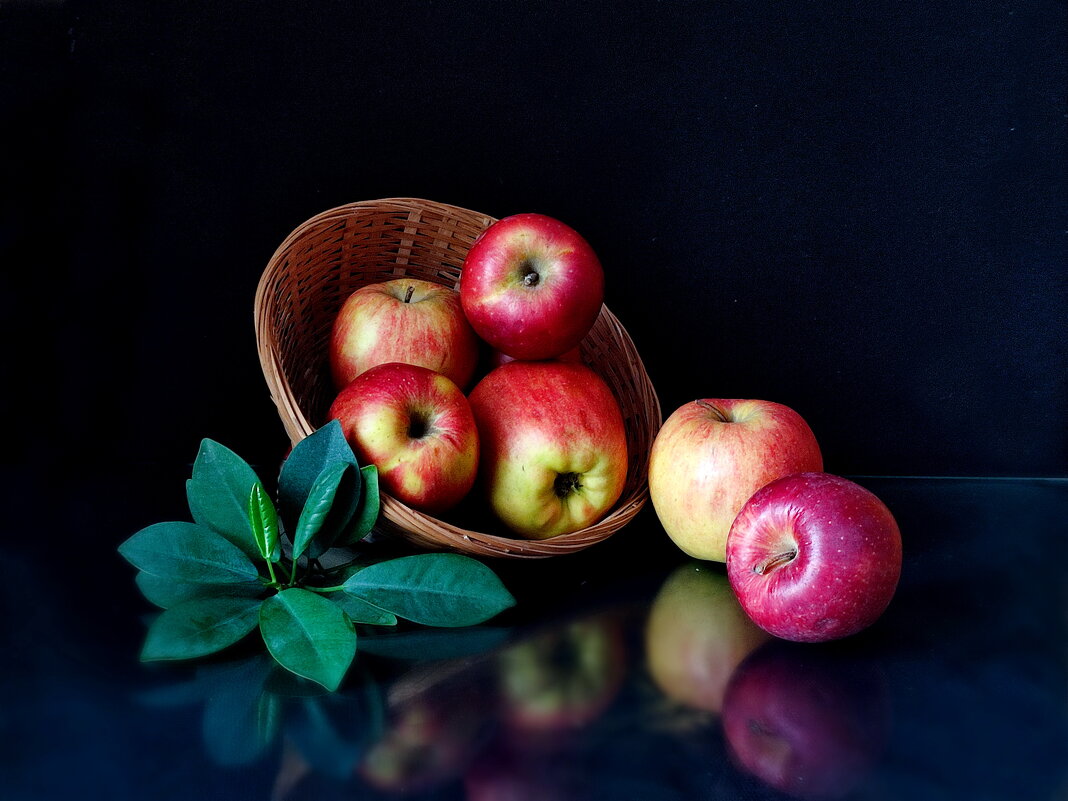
(776,562)
(408,294)
(715,410)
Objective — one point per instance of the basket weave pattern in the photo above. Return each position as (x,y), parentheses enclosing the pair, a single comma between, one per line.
(340,250)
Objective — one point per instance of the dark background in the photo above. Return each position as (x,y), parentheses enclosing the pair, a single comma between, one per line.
(856,209)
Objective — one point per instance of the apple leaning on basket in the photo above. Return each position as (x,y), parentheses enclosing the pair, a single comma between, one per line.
(541,434)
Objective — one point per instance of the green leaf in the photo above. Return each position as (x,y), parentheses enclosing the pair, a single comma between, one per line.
(165,593)
(264,521)
(305,463)
(183,551)
(435,589)
(328,508)
(366,515)
(360,611)
(199,627)
(218,494)
(308,635)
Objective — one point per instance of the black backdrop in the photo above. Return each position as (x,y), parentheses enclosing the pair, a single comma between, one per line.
(856,209)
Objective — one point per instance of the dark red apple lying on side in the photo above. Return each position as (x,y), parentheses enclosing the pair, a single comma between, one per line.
(813,557)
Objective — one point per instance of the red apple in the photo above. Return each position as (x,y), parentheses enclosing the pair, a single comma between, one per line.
(554,449)
(404,320)
(416,427)
(711,455)
(814,557)
(809,724)
(531,286)
(696,635)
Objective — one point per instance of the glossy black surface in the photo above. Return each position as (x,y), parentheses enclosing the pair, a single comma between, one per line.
(608,680)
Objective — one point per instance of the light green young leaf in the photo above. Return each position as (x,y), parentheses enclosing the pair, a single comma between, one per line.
(264,522)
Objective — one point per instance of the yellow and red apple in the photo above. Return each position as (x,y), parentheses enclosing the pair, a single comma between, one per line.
(417,428)
(711,455)
(554,447)
(403,320)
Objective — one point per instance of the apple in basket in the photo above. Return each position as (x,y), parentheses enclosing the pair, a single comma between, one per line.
(403,320)
(711,455)
(531,286)
(416,426)
(813,557)
(554,448)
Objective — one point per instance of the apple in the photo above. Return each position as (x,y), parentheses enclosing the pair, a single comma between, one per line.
(403,320)
(696,634)
(810,724)
(813,557)
(531,286)
(710,455)
(554,449)
(417,428)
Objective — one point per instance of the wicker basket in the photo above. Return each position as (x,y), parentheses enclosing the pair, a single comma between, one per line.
(334,253)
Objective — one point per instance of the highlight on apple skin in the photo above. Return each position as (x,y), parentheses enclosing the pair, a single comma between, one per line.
(417,428)
(403,320)
(531,286)
(711,454)
(554,446)
(814,557)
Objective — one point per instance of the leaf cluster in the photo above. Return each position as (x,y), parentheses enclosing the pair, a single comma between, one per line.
(291,567)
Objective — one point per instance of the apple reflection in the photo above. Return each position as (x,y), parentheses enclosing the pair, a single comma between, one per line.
(561,679)
(806,720)
(696,635)
(436,722)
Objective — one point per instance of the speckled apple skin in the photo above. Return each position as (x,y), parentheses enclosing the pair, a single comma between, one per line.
(376,325)
(431,473)
(847,560)
(711,454)
(539,321)
(537,421)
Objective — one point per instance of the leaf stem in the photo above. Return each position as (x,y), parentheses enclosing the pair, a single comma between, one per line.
(338,588)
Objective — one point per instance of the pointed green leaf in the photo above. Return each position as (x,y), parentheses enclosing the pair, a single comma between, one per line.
(264,522)
(187,552)
(308,635)
(218,494)
(366,515)
(328,508)
(435,589)
(199,627)
(165,592)
(360,611)
(307,461)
